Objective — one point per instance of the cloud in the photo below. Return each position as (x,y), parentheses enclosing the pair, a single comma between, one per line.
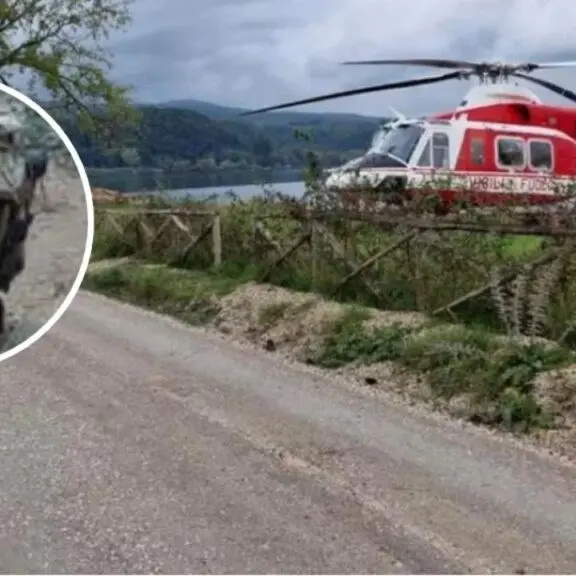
(253,53)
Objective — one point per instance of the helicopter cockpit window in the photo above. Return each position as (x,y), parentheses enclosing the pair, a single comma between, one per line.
(541,155)
(401,141)
(425,158)
(379,140)
(510,152)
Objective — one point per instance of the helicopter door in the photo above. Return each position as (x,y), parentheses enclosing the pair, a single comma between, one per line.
(436,153)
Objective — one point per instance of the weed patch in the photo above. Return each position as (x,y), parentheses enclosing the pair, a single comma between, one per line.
(348,341)
(496,376)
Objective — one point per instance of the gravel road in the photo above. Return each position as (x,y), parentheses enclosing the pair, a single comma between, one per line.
(133,444)
(54,252)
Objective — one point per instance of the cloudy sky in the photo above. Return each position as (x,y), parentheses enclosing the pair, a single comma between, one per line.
(253,53)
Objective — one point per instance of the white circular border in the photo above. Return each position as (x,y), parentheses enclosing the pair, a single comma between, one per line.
(89,221)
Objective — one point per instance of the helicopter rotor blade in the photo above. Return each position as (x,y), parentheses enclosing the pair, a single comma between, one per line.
(551,65)
(433,62)
(568,94)
(476,67)
(357,91)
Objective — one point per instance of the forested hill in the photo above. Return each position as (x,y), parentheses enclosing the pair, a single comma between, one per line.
(202,136)
(219,112)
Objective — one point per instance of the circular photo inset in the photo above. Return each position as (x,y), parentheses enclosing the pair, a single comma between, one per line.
(46,222)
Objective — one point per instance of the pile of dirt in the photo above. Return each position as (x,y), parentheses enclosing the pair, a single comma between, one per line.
(292,322)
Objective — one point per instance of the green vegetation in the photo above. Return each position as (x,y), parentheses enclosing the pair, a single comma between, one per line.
(425,275)
(185,294)
(59,45)
(496,375)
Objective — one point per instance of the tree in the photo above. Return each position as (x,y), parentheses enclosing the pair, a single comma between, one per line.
(59,45)
(262,148)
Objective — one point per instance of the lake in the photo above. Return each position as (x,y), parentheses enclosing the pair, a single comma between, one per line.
(129,180)
(244,192)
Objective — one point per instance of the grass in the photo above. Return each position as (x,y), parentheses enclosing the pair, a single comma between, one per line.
(521,247)
(186,294)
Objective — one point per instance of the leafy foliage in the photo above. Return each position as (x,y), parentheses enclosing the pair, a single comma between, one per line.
(58,47)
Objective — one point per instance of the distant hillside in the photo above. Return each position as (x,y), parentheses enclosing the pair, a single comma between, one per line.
(190,142)
(218,112)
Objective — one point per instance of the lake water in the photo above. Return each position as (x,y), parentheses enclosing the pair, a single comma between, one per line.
(244,192)
(130,180)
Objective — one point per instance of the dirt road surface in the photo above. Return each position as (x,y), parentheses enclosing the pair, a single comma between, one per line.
(54,252)
(133,444)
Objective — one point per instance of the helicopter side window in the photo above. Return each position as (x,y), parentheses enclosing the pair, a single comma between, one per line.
(440,150)
(436,153)
(477,151)
(510,152)
(541,156)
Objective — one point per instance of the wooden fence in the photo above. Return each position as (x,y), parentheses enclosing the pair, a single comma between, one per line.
(149,231)
(317,232)
(368,252)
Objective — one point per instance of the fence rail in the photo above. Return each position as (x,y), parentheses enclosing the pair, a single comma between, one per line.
(148,231)
(442,263)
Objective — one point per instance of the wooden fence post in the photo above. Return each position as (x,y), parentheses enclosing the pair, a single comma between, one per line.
(217,239)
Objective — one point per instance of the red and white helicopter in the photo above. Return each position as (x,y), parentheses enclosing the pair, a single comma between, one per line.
(501,145)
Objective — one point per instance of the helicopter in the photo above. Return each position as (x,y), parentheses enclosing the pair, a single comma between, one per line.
(500,145)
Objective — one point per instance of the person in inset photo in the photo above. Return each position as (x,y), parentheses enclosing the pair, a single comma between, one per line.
(44,215)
